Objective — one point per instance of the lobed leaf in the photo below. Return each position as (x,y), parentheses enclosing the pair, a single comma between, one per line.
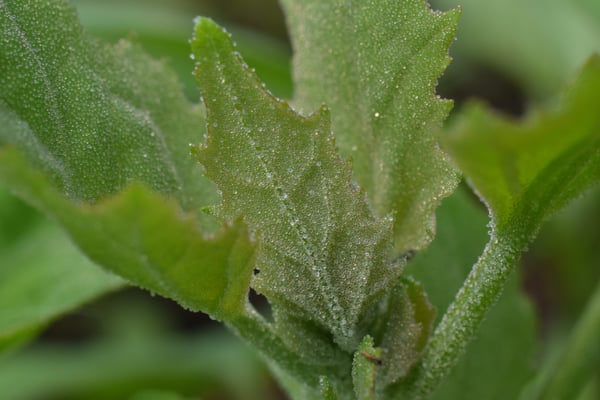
(525,171)
(147,240)
(324,256)
(376,64)
(95,118)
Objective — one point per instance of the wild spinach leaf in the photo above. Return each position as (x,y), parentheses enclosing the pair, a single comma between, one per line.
(376,65)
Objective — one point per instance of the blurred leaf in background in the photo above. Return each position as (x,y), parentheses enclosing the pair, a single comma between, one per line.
(133,348)
(501,371)
(42,274)
(538,44)
(513,54)
(164,28)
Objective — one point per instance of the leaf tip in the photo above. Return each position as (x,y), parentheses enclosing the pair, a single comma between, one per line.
(208,37)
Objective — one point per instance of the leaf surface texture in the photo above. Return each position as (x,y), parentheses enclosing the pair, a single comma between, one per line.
(376,64)
(97,136)
(323,254)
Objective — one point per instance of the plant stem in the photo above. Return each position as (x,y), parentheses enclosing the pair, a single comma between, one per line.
(479,293)
(258,333)
(580,357)
(253,329)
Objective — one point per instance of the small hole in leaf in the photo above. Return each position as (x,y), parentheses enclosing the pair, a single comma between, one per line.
(260,303)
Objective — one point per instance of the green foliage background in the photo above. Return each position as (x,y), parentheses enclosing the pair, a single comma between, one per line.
(159,360)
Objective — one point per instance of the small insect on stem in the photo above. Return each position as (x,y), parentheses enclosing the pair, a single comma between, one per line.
(372,358)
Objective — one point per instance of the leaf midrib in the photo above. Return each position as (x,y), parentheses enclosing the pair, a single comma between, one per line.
(318,275)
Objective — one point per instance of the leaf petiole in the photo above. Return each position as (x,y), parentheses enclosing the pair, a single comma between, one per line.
(458,327)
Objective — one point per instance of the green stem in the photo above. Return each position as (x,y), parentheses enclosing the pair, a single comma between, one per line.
(479,293)
(259,334)
(253,329)
(580,357)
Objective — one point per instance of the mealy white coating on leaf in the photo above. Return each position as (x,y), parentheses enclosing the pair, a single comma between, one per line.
(406,331)
(324,256)
(98,116)
(376,64)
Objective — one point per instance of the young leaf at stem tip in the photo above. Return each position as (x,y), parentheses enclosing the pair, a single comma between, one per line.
(323,255)
(365,367)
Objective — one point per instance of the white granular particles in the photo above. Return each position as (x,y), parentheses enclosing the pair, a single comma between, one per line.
(323,250)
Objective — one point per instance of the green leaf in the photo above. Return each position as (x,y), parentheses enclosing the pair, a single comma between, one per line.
(462,234)
(117,367)
(148,240)
(376,63)
(569,240)
(94,116)
(567,376)
(500,370)
(42,275)
(298,389)
(163,29)
(156,395)
(323,256)
(526,171)
(406,330)
(367,361)
(120,118)
(502,355)
(540,45)
(16,218)
(308,340)
(327,391)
